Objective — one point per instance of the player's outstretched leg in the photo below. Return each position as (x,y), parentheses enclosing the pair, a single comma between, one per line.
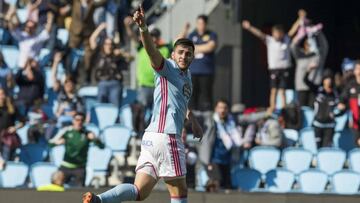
(138,191)
(118,194)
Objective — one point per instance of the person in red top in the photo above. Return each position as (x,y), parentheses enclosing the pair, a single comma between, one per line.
(351,96)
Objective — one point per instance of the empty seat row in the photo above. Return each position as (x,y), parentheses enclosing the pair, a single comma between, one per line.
(309,181)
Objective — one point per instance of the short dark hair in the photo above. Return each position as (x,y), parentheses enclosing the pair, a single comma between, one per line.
(79,113)
(184,42)
(222,100)
(204,18)
(278,27)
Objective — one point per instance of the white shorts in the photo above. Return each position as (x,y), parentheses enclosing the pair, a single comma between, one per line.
(162,156)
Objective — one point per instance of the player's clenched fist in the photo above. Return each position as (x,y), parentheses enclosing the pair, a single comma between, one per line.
(139,17)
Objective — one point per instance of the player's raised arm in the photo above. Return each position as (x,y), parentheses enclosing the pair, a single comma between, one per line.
(155,57)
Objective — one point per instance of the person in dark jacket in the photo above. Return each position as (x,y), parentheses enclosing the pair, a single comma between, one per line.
(31,84)
(326,100)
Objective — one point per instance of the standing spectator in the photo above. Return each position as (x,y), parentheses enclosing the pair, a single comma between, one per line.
(307,54)
(68,103)
(9,140)
(31,84)
(77,141)
(82,26)
(107,71)
(279,60)
(326,101)
(30,43)
(215,150)
(270,133)
(6,77)
(350,98)
(57,183)
(108,14)
(203,66)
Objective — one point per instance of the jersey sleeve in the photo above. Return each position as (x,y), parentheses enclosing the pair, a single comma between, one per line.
(165,68)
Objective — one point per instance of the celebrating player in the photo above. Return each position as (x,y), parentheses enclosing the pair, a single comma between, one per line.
(162,151)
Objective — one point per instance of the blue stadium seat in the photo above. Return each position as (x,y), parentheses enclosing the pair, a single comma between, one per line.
(290,97)
(263,158)
(57,155)
(22,132)
(354,157)
(344,140)
(202,179)
(93,128)
(98,160)
(117,138)
(41,173)
(296,159)
(246,179)
(126,116)
(313,181)
(11,55)
(308,116)
(129,96)
(308,140)
(89,95)
(279,180)
(14,175)
(346,182)
(32,153)
(105,115)
(292,137)
(341,122)
(330,160)
(63,35)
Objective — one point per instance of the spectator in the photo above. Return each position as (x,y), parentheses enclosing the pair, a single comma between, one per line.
(68,103)
(31,84)
(203,66)
(82,26)
(108,14)
(279,60)
(57,183)
(9,140)
(107,70)
(325,103)
(307,54)
(53,92)
(215,150)
(77,141)
(30,43)
(270,133)
(6,77)
(350,98)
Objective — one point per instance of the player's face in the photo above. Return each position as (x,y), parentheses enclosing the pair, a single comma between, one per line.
(222,110)
(183,55)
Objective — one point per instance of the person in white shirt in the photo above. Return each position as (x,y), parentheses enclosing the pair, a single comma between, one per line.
(30,42)
(278,57)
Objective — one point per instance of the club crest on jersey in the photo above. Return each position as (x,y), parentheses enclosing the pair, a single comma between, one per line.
(187,90)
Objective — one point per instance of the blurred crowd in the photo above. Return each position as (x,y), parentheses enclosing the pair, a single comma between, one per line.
(87,43)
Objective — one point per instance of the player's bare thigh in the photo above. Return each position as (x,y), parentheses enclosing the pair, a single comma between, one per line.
(177,187)
(144,183)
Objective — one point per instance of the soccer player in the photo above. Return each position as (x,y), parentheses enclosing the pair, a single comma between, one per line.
(162,151)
